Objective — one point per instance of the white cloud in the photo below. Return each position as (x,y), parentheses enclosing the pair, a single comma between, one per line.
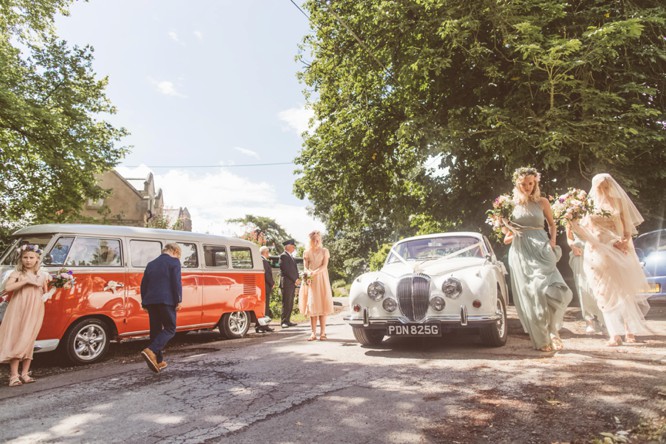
(214,196)
(247,152)
(296,118)
(199,35)
(174,36)
(166,87)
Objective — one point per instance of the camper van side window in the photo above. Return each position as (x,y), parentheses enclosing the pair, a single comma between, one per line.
(241,257)
(59,251)
(216,256)
(188,255)
(94,252)
(143,252)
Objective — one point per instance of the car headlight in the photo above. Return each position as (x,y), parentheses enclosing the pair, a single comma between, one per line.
(390,305)
(452,288)
(437,303)
(376,291)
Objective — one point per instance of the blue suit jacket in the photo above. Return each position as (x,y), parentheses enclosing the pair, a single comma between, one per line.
(161,282)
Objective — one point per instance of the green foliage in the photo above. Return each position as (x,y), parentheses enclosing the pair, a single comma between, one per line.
(53,139)
(266,231)
(426,107)
(378,258)
(165,222)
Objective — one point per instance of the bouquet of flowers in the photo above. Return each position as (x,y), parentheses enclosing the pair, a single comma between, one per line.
(306,277)
(502,209)
(63,278)
(572,205)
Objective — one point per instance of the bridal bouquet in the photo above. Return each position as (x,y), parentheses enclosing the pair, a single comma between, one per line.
(502,209)
(63,278)
(571,206)
(306,277)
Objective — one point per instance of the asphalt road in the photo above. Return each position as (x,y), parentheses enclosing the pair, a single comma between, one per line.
(279,388)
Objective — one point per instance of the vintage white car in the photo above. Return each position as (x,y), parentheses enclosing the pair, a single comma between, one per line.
(430,285)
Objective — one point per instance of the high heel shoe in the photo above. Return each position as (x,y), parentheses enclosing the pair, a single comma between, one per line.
(630,338)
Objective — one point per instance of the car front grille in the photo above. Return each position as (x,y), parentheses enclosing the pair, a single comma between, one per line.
(413,296)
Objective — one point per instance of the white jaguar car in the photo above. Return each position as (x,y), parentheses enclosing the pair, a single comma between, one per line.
(431,285)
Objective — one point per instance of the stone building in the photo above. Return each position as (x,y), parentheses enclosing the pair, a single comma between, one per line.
(134,202)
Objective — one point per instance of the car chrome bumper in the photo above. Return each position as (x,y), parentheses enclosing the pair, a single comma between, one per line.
(462,319)
(46,345)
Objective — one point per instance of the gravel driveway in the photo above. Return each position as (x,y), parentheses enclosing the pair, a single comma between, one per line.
(282,389)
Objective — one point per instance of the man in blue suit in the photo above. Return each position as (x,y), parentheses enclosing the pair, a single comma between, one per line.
(161,296)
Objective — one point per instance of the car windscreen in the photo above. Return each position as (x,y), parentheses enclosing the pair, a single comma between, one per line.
(10,255)
(436,248)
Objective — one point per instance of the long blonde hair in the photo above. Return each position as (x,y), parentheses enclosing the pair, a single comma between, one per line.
(518,196)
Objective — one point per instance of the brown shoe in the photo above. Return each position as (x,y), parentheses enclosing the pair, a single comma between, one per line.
(162,365)
(150,359)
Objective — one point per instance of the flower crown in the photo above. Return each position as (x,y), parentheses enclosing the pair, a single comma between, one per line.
(526,171)
(27,247)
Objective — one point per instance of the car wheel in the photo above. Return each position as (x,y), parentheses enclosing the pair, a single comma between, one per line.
(87,341)
(495,334)
(234,325)
(368,337)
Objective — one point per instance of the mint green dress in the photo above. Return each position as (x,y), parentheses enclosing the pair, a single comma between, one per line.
(539,292)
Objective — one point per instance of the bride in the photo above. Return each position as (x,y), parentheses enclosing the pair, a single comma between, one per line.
(610,262)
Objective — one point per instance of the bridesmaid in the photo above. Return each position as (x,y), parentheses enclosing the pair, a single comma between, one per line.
(589,309)
(315,297)
(540,293)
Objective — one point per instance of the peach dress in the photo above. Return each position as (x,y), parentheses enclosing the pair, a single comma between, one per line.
(22,321)
(316,299)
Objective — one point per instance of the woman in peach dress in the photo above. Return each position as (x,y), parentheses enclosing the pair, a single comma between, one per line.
(315,298)
(24,315)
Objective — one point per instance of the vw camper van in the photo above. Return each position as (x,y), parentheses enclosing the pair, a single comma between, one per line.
(223,284)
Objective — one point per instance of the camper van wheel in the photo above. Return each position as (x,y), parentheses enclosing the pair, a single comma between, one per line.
(87,341)
(234,325)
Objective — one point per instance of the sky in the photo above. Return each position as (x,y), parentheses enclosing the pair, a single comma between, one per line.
(208,91)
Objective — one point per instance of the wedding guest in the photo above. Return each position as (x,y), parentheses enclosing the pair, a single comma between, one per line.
(610,262)
(540,293)
(269,282)
(288,281)
(161,296)
(24,315)
(315,298)
(588,305)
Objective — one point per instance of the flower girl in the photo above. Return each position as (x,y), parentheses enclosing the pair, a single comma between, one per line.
(24,315)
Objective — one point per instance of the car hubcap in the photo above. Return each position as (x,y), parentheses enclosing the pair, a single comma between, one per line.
(89,342)
(238,322)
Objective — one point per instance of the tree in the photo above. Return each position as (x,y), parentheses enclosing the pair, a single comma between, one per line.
(263,231)
(424,108)
(53,139)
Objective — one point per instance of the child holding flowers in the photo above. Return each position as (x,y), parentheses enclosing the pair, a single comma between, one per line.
(24,315)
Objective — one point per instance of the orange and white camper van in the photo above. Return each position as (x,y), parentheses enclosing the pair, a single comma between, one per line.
(223,284)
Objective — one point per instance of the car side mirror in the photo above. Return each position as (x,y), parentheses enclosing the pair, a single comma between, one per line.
(48,259)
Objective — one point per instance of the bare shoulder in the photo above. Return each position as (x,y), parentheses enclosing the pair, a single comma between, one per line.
(544,202)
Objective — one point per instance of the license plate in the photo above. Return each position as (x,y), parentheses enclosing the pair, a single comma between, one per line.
(413,330)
